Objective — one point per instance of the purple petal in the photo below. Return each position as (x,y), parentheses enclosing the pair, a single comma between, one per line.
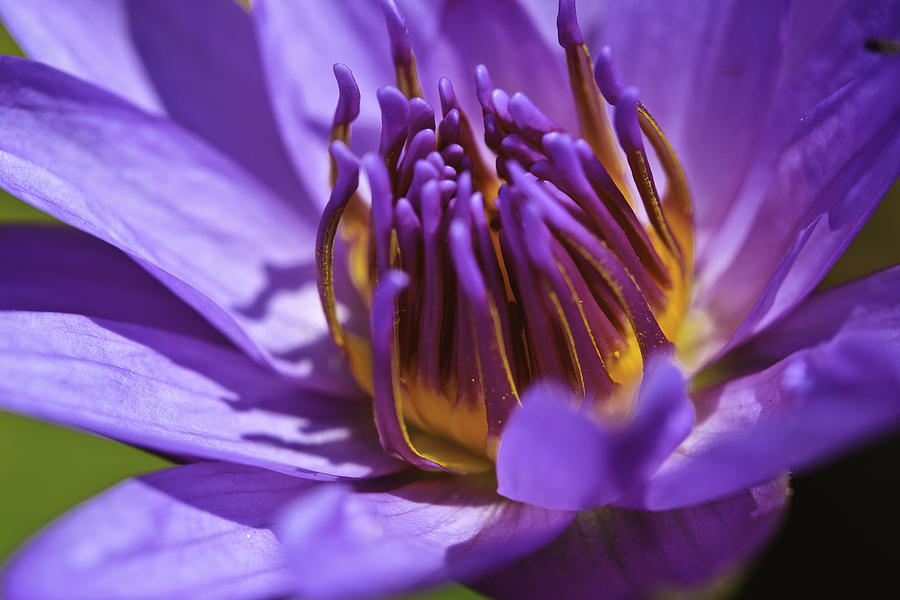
(553,455)
(826,162)
(618,554)
(195,531)
(194,219)
(48,268)
(181,396)
(710,85)
(197,62)
(835,386)
(347,543)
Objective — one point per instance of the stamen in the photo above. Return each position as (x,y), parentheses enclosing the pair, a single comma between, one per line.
(346,112)
(629,134)
(571,178)
(538,331)
(421,116)
(677,202)
(595,125)
(449,131)
(348,103)
(532,123)
(389,394)
(584,356)
(382,210)
(492,374)
(394,124)
(478,289)
(417,149)
(434,299)
(346,182)
(650,337)
(401,51)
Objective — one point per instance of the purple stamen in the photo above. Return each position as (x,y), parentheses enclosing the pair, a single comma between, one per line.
(386,372)
(529,119)
(417,149)
(448,131)
(650,337)
(568,31)
(421,116)
(571,179)
(448,96)
(541,342)
(433,301)
(515,147)
(608,81)
(382,210)
(585,354)
(500,102)
(423,172)
(494,383)
(484,87)
(345,185)
(348,96)
(401,47)
(394,123)
(628,128)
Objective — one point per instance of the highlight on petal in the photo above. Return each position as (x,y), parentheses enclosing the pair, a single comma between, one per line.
(197,62)
(181,396)
(194,219)
(553,455)
(365,542)
(620,554)
(194,531)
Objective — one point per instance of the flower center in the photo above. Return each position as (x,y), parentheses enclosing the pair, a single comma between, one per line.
(560,261)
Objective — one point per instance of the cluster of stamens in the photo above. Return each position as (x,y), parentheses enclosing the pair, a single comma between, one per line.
(481,278)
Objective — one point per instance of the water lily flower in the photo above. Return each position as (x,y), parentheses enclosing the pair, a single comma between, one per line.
(530,309)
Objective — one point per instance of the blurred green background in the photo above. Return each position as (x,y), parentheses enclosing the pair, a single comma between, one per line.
(838,531)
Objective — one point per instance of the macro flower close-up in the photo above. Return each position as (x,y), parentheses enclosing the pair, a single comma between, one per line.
(517,294)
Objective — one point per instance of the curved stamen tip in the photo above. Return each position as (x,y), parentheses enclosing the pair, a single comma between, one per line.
(348,95)
(568,31)
(608,81)
(343,155)
(628,127)
(484,87)
(401,48)
(447,94)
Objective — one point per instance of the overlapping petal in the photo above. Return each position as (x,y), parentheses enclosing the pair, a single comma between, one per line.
(361,543)
(194,531)
(556,456)
(619,554)
(48,268)
(194,219)
(207,78)
(833,384)
(181,396)
(824,167)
